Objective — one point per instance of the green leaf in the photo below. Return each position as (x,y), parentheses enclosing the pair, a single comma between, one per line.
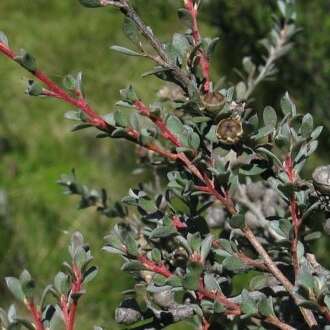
(131,244)
(174,281)
(156,255)
(306,280)
(327,301)
(219,308)
(132,266)
(129,94)
(181,43)
(317,132)
(163,232)
(237,221)
(270,117)
(206,247)
(248,65)
(287,106)
(212,134)
(259,282)
(262,132)
(159,280)
(130,30)
(192,278)
(91,3)
(90,274)
(80,257)
(73,115)
(233,264)
(211,283)
(194,241)
(125,51)
(61,283)
(248,305)
(175,125)
(252,169)
(240,90)
(15,287)
(307,125)
(266,306)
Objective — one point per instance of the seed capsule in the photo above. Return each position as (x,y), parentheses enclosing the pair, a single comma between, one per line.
(230,130)
(321,182)
(213,101)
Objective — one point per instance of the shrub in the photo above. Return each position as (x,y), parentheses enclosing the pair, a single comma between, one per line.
(218,236)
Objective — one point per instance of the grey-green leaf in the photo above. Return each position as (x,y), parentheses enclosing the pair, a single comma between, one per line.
(15,287)
(125,51)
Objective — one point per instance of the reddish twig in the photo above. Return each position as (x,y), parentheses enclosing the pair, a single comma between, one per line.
(54,90)
(203,58)
(294,211)
(166,133)
(272,319)
(201,291)
(36,315)
(75,289)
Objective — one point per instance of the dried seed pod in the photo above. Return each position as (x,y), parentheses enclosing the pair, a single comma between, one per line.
(213,101)
(321,182)
(230,130)
(127,315)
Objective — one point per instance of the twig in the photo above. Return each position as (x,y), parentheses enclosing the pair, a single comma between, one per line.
(203,58)
(166,133)
(36,315)
(164,60)
(308,315)
(275,53)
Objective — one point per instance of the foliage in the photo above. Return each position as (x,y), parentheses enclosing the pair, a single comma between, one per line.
(216,153)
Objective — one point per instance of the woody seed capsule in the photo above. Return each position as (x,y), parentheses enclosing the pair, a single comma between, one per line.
(230,130)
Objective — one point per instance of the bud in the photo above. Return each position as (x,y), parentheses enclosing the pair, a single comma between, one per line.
(321,182)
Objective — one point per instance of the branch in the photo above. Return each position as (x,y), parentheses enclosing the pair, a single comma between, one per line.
(203,58)
(294,211)
(275,52)
(75,289)
(164,60)
(166,133)
(93,118)
(36,315)
(308,315)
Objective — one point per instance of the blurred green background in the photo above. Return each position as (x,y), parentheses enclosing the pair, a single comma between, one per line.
(36,145)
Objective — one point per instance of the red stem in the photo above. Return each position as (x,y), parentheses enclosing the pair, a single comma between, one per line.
(294,211)
(203,58)
(233,309)
(166,133)
(36,315)
(75,288)
(56,91)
